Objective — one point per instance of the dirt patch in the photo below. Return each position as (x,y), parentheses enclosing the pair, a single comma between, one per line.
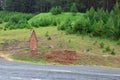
(115,60)
(63,57)
(14,46)
(5,56)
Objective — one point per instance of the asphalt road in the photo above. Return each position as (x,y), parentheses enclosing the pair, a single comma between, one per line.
(25,71)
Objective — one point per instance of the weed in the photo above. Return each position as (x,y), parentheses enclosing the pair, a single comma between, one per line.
(49,38)
(112,52)
(88,49)
(95,43)
(47,34)
(118,42)
(107,49)
(101,45)
(1,21)
(69,41)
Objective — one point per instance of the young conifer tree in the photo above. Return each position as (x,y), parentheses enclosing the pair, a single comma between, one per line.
(74,9)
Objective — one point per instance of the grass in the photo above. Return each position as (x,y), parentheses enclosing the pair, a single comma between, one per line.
(60,40)
(81,43)
(74,42)
(60,17)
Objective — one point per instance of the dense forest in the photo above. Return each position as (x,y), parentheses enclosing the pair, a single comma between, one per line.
(34,6)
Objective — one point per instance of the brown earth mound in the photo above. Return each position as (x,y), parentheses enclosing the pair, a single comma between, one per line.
(63,57)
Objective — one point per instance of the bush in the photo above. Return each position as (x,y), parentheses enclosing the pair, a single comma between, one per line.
(6,16)
(98,28)
(104,23)
(101,45)
(74,9)
(90,14)
(118,42)
(56,10)
(49,38)
(64,25)
(112,52)
(81,25)
(107,49)
(17,24)
(10,26)
(43,21)
(15,20)
(47,34)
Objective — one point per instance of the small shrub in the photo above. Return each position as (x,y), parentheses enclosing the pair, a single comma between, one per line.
(9,25)
(98,28)
(20,25)
(118,42)
(101,45)
(54,22)
(15,20)
(74,9)
(49,38)
(112,52)
(81,26)
(69,41)
(95,43)
(107,49)
(35,24)
(90,14)
(88,49)
(109,27)
(46,34)
(65,24)
(42,22)
(56,10)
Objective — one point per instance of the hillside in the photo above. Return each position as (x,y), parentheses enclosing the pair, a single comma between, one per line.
(53,45)
(57,43)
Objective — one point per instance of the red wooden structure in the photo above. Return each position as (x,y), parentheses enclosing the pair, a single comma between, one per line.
(33,43)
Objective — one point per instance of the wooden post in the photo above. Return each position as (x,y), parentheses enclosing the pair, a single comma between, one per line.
(33,43)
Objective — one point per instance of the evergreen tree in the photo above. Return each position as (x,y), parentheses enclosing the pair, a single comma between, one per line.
(74,9)
(56,10)
(46,5)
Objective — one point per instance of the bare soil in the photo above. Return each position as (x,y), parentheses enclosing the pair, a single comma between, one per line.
(63,57)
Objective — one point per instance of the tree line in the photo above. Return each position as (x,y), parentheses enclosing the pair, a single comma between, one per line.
(34,6)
